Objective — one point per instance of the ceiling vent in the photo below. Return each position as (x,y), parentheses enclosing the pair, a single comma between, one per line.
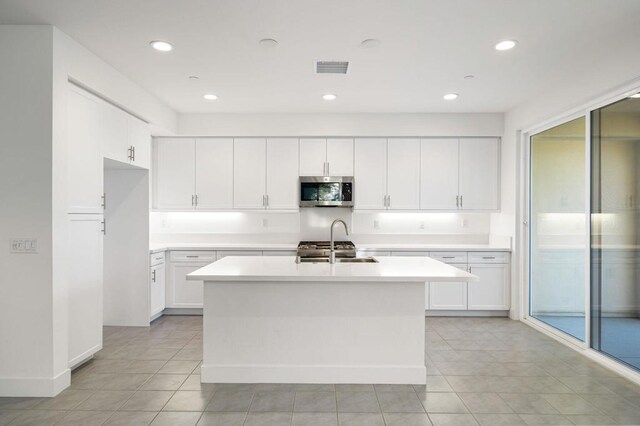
(332,67)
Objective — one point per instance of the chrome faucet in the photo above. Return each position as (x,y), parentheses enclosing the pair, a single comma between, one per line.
(332,254)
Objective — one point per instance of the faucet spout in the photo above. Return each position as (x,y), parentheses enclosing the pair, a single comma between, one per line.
(332,254)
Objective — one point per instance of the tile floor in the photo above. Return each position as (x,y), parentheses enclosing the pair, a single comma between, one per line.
(481,371)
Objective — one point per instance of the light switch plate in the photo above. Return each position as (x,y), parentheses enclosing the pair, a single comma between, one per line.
(24,245)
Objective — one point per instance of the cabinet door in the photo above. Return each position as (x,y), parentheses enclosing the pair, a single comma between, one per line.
(157,290)
(340,157)
(183,293)
(114,132)
(84,160)
(439,174)
(479,174)
(282,174)
(214,173)
(174,181)
(447,295)
(492,291)
(249,173)
(370,173)
(403,174)
(313,156)
(85,286)
(140,140)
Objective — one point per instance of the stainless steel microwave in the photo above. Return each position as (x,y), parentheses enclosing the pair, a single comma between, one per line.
(326,191)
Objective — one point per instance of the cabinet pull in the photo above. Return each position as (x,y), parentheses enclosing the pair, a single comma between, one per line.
(191,256)
(196,200)
(153,276)
(104,227)
(192,200)
(448,257)
(328,169)
(267,198)
(461,201)
(488,257)
(457,201)
(388,200)
(133,153)
(104,201)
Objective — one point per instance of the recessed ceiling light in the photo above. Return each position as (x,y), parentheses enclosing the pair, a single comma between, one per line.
(469,77)
(370,43)
(193,77)
(269,42)
(162,46)
(635,96)
(450,96)
(506,45)
(210,97)
(329,97)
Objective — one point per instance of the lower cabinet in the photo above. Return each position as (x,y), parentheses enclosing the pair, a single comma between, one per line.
(492,291)
(157,286)
(182,293)
(448,295)
(85,286)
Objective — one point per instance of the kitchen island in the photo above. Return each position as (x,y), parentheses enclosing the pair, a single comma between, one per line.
(272,320)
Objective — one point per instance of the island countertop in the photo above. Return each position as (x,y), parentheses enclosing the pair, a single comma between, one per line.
(285,268)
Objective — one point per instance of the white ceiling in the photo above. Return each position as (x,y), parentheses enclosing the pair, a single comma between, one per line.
(428,46)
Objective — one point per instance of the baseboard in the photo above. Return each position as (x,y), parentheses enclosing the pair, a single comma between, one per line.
(430,313)
(84,357)
(381,374)
(182,311)
(35,386)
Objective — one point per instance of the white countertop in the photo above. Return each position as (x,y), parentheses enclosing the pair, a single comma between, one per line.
(284,268)
(153,248)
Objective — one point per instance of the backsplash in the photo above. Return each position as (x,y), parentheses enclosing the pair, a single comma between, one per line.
(313,224)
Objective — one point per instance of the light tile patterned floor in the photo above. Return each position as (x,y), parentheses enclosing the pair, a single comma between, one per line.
(481,371)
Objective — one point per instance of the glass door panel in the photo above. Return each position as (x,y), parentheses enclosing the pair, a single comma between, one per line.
(557,219)
(615,230)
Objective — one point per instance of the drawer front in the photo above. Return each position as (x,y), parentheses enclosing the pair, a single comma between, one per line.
(488,257)
(192,256)
(450,257)
(156,259)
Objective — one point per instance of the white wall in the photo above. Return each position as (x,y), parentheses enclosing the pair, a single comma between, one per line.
(340,124)
(30,358)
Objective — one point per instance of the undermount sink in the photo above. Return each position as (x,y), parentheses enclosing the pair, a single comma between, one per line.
(338,260)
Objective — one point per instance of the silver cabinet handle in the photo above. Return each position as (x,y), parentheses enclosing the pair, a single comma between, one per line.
(267,200)
(196,200)
(104,201)
(104,227)
(457,201)
(192,256)
(133,153)
(488,257)
(193,200)
(153,276)
(328,169)
(448,257)
(461,201)
(388,200)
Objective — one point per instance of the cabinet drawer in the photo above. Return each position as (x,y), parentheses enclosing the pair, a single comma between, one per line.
(489,257)
(450,257)
(192,256)
(156,259)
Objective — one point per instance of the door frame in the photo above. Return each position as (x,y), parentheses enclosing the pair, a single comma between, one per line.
(522,228)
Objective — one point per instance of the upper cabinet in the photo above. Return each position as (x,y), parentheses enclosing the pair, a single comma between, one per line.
(266,173)
(459,174)
(326,157)
(84,160)
(140,143)
(213,174)
(174,173)
(124,138)
(387,174)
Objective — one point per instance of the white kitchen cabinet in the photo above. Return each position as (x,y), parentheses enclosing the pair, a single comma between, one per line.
(340,157)
(213,173)
(439,174)
(370,174)
(249,173)
(139,143)
(157,285)
(174,181)
(479,174)
(181,293)
(491,292)
(282,173)
(84,286)
(449,295)
(114,133)
(84,160)
(326,157)
(403,174)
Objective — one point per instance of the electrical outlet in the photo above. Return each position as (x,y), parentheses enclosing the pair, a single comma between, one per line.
(464,223)
(264,223)
(24,245)
(422,224)
(376,224)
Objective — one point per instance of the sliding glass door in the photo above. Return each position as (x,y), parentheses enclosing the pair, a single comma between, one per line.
(615,230)
(557,227)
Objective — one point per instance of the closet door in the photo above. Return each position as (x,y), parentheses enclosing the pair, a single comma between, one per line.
(214,173)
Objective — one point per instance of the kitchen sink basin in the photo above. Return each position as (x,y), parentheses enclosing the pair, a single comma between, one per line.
(338,260)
